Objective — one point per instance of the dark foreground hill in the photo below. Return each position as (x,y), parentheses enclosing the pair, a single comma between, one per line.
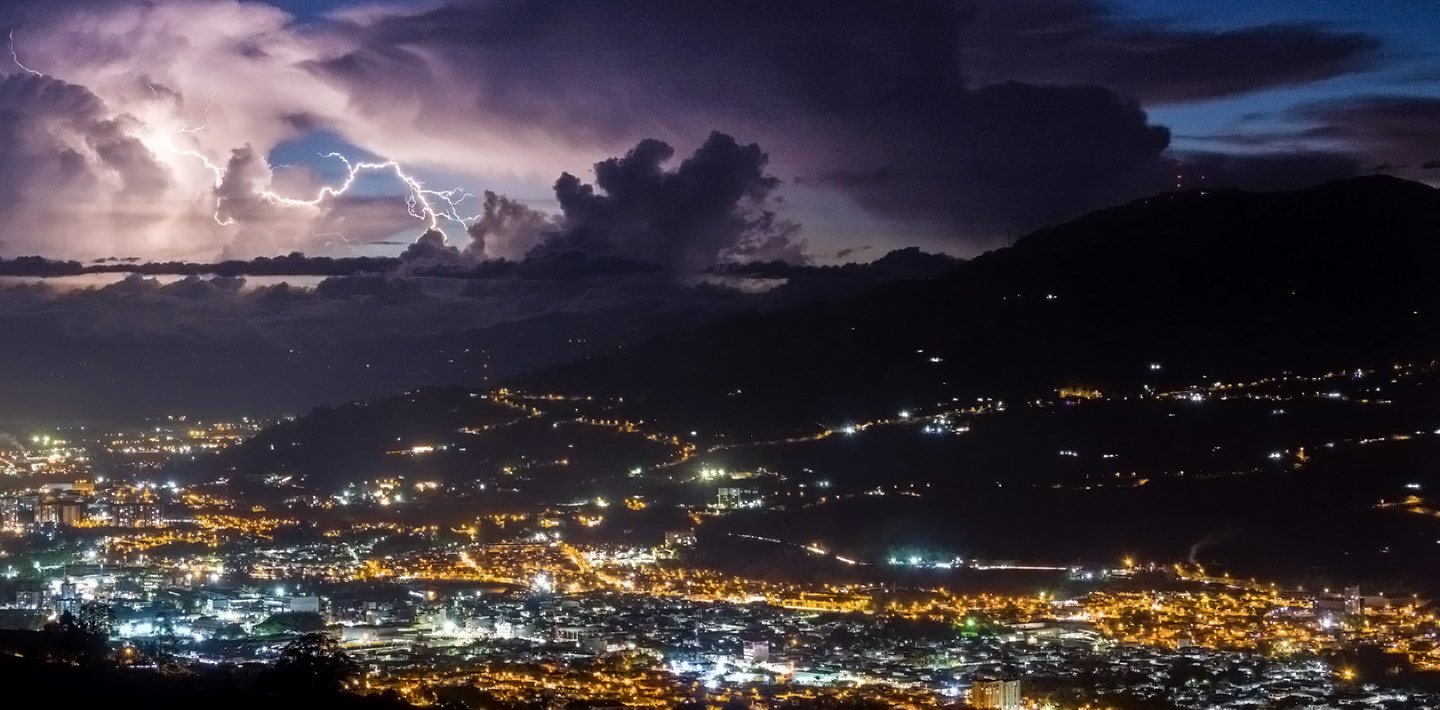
(1173,289)
(34,683)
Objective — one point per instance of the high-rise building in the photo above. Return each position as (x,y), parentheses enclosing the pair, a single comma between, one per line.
(69,599)
(1354,603)
(998,694)
(10,515)
(31,598)
(732,498)
(62,512)
(140,514)
(756,651)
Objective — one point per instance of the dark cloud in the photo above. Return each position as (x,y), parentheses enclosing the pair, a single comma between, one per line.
(569,265)
(976,120)
(851,251)
(907,263)
(428,257)
(223,345)
(1430,165)
(40,266)
(507,229)
(294,264)
(711,207)
(1396,128)
(1009,158)
(432,248)
(785,283)
(1267,171)
(1086,42)
(1332,139)
(575,265)
(197,288)
(384,289)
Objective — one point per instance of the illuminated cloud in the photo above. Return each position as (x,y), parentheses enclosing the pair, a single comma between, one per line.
(507,229)
(179,105)
(967,124)
(69,165)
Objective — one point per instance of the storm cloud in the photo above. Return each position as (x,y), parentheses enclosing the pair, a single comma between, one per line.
(968,123)
(228,344)
(507,228)
(979,121)
(712,207)
(65,160)
(1400,131)
(1084,42)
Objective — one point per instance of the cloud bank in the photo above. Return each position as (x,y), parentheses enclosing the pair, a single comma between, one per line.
(151,131)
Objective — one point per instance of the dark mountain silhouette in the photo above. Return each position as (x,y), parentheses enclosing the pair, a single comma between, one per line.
(1206,284)
(1209,286)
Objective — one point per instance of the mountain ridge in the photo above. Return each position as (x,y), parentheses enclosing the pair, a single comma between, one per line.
(1095,300)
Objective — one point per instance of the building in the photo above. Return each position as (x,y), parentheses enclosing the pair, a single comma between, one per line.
(62,512)
(135,514)
(31,598)
(69,599)
(756,651)
(998,694)
(14,513)
(575,634)
(71,487)
(1354,603)
(305,604)
(733,498)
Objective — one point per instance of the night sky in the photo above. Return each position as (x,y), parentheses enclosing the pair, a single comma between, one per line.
(954,126)
(654,138)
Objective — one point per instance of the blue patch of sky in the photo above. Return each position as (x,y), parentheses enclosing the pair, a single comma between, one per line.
(1409,64)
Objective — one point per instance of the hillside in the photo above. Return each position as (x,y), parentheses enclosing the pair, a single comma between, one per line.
(1203,284)
(1331,283)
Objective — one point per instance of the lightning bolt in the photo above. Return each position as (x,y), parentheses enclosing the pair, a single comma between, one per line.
(204,117)
(16,56)
(337,235)
(424,204)
(428,206)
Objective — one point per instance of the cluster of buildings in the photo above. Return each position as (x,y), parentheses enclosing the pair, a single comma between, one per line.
(84,504)
(427,607)
(538,599)
(516,640)
(77,452)
(44,455)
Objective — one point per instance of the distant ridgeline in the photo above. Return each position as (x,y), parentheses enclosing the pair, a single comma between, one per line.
(1210,283)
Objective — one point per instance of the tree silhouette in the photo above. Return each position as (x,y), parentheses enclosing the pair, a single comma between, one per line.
(67,640)
(313,663)
(96,618)
(290,622)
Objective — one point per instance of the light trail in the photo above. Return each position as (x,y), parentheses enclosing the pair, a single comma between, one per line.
(812,549)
